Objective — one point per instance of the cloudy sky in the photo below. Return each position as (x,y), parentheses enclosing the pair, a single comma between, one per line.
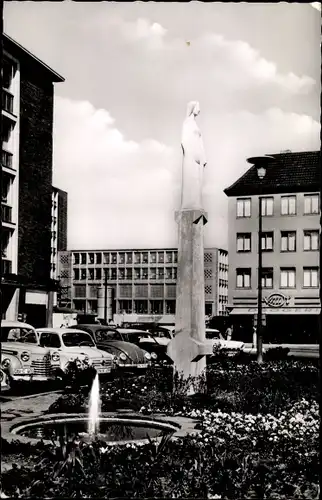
(130,70)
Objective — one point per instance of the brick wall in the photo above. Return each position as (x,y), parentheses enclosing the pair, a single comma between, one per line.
(35,173)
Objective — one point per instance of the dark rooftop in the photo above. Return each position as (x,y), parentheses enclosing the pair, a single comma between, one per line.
(19,51)
(287,173)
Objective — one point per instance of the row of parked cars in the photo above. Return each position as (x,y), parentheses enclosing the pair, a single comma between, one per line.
(45,353)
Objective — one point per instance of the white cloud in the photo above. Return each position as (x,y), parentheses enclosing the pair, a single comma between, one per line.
(124,193)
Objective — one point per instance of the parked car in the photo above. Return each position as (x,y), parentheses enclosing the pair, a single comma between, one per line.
(21,355)
(215,337)
(66,345)
(129,356)
(153,342)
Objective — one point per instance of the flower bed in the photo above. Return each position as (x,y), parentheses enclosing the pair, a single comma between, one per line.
(237,454)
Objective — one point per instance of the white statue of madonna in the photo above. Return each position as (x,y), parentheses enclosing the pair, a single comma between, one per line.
(194,160)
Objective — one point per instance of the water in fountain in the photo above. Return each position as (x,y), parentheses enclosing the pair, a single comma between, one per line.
(94,407)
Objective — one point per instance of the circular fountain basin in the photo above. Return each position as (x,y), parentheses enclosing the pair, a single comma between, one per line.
(113,429)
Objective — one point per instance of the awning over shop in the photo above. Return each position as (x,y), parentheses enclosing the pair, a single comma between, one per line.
(278,310)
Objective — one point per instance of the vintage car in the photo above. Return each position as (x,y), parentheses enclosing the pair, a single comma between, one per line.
(21,356)
(152,342)
(66,345)
(218,342)
(129,356)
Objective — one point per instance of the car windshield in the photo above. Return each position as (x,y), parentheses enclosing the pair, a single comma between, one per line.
(17,334)
(135,336)
(212,335)
(76,339)
(101,335)
(162,334)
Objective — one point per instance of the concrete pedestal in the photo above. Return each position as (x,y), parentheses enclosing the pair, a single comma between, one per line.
(187,348)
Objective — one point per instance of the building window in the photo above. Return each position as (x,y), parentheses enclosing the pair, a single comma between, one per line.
(160,273)
(98,258)
(91,258)
(310,277)
(145,273)
(76,274)
(244,242)
(168,256)
(129,258)
(121,274)
(174,273)
(80,291)
(243,207)
(91,274)
(98,273)
(92,306)
(175,257)
(267,205)
(208,308)
(243,278)
(106,273)
(156,306)
(145,257)
(311,240)
(125,306)
(267,241)
(311,204)
(153,273)
(137,258)
(8,71)
(113,258)
(122,258)
(267,277)
(288,241)
(170,306)
(287,277)
(141,306)
(125,291)
(83,274)
(83,259)
(288,205)
(168,273)
(106,257)
(113,274)
(136,273)
(161,257)
(153,257)
(128,273)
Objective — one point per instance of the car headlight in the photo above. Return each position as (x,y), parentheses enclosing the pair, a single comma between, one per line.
(154,355)
(6,363)
(55,356)
(123,356)
(147,355)
(25,356)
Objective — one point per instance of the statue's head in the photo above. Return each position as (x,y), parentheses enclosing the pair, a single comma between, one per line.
(193,108)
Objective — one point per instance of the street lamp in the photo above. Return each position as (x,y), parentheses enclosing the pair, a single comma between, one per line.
(261,163)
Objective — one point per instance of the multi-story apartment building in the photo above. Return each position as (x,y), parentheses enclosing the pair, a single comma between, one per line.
(26,164)
(143,282)
(290,247)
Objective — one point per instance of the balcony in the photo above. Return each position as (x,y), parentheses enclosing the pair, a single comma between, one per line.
(6,266)
(7,101)
(6,214)
(6,159)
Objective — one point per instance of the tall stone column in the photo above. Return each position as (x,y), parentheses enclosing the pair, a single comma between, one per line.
(188,349)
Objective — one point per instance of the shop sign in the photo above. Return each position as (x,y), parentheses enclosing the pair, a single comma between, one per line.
(277,300)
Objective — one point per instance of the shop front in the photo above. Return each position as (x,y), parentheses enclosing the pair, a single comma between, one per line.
(294,320)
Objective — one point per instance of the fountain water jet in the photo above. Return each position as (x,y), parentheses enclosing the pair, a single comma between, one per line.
(94,407)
